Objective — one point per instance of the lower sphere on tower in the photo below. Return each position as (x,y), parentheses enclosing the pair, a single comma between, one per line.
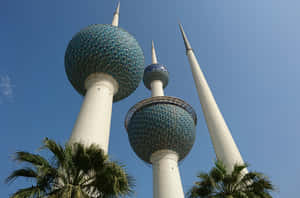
(161,123)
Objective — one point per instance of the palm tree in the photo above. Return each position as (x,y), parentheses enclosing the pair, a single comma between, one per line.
(75,171)
(218,183)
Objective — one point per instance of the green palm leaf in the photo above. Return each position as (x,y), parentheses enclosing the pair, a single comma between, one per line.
(24,172)
(31,192)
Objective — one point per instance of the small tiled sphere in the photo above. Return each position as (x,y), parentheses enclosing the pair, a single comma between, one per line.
(105,49)
(155,72)
(159,126)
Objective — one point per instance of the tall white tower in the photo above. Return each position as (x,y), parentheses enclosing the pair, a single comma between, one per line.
(161,131)
(224,145)
(105,64)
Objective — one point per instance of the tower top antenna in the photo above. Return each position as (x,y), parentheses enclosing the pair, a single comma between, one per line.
(154,58)
(186,41)
(115,21)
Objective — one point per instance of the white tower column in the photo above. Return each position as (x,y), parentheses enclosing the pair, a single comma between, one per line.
(93,122)
(224,145)
(166,176)
(157,88)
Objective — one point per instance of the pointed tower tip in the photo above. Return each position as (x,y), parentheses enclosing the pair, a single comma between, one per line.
(186,41)
(154,58)
(118,8)
(115,21)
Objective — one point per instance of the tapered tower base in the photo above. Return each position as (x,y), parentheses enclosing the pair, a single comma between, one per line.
(93,122)
(166,176)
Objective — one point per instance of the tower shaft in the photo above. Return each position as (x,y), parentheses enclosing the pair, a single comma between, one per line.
(166,176)
(224,145)
(93,122)
(157,88)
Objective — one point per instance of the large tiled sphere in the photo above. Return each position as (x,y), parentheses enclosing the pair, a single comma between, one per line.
(161,123)
(155,72)
(105,49)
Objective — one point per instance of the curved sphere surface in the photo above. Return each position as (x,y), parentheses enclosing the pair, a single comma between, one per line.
(158,126)
(155,72)
(105,49)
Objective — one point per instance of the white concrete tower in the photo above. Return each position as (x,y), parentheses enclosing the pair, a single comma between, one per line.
(224,145)
(161,131)
(103,76)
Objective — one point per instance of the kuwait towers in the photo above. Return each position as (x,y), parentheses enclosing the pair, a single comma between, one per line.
(161,131)
(105,64)
(224,145)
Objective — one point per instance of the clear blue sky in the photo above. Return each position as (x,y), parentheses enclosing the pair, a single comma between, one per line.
(248,50)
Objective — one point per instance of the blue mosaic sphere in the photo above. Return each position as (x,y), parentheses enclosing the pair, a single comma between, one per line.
(159,123)
(155,72)
(105,49)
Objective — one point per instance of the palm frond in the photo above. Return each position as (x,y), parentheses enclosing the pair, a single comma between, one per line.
(56,149)
(31,192)
(113,180)
(24,172)
(221,167)
(33,159)
(238,171)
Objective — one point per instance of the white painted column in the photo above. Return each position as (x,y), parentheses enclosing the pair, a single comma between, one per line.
(224,145)
(93,122)
(166,176)
(157,88)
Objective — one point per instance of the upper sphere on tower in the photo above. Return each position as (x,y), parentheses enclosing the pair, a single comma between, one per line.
(107,49)
(156,72)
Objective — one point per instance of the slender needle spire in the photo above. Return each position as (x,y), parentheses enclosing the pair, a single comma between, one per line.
(186,41)
(224,145)
(154,58)
(115,21)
